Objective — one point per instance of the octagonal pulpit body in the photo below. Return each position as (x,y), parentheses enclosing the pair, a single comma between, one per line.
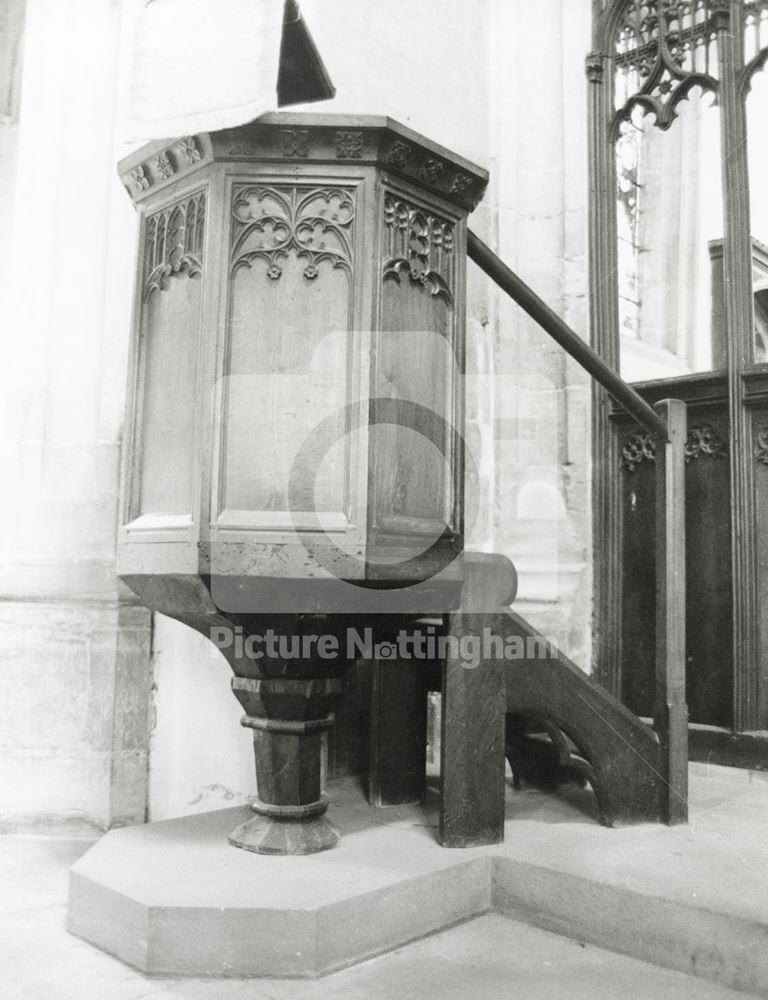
(294,456)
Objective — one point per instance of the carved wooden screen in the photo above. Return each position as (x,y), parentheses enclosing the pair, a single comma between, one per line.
(652,61)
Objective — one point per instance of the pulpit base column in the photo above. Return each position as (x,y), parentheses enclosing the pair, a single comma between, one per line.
(288,732)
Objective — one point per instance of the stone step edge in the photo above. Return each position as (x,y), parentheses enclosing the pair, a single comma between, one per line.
(726,949)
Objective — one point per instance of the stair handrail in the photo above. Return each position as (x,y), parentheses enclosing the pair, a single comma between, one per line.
(559,330)
(667,422)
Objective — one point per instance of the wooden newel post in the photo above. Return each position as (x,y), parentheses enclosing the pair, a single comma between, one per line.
(671,710)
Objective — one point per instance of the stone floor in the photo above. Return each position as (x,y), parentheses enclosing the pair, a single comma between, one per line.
(491,956)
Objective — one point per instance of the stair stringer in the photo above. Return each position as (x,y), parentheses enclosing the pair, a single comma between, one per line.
(624,753)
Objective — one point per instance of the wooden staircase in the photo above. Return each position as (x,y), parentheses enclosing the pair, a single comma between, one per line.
(639,773)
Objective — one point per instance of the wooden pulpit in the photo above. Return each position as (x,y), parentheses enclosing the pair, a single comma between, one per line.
(294,458)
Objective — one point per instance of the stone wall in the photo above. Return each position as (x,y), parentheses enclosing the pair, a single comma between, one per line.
(74,647)
(539,199)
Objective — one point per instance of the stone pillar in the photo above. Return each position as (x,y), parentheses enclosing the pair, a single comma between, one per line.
(74,688)
(539,183)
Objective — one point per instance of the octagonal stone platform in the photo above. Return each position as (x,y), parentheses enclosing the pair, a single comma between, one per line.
(175,898)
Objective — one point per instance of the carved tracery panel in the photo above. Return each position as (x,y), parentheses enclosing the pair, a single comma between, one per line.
(668,190)
(292,258)
(415,492)
(755,31)
(174,240)
(271,223)
(661,49)
(419,244)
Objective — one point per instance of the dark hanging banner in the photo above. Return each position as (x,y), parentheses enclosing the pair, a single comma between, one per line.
(302,76)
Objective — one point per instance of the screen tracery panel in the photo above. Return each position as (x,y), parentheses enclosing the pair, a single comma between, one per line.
(668,189)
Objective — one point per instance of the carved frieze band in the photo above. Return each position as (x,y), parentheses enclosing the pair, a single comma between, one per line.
(761,452)
(173,242)
(420,245)
(272,221)
(318,143)
(177,157)
(703,441)
(431,170)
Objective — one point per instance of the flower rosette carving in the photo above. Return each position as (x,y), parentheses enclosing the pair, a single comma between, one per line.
(349,145)
(638,448)
(432,171)
(139,178)
(188,148)
(296,142)
(162,164)
(270,223)
(461,184)
(398,154)
(704,441)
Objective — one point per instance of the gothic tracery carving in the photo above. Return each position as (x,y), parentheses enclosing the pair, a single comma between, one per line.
(703,441)
(173,242)
(271,221)
(420,245)
(638,448)
(663,48)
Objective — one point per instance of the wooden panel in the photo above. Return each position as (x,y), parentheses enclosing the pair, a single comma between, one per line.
(170,324)
(412,476)
(472,764)
(348,739)
(709,581)
(415,364)
(638,589)
(708,606)
(287,358)
(398,732)
(472,746)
